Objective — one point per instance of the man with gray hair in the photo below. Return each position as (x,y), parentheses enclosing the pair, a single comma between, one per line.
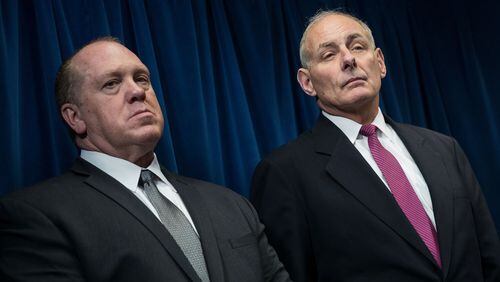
(361,197)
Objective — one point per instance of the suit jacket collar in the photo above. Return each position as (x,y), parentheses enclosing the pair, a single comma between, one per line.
(349,168)
(116,192)
(431,165)
(200,214)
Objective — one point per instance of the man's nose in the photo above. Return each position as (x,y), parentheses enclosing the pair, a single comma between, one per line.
(135,92)
(348,60)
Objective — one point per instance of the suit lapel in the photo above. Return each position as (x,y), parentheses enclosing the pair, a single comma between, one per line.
(114,190)
(200,216)
(348,167)
(436,176)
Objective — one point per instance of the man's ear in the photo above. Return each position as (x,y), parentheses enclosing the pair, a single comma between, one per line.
(304,79)
(71,115)
(381,62)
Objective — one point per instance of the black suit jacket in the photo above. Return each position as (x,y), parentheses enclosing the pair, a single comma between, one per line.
(330,217)
(84,225)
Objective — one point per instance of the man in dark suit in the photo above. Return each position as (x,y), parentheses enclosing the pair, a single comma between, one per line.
(116,215)
(360,197)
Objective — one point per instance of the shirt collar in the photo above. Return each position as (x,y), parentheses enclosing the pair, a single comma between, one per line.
(123,171)
(351,128)
(383,127)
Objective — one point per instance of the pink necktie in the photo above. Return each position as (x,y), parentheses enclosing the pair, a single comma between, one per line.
(402,191)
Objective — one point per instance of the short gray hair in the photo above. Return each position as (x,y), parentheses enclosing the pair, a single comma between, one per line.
(305,54)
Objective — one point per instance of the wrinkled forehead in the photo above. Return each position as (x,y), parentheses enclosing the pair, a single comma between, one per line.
(100,57)
(334,28)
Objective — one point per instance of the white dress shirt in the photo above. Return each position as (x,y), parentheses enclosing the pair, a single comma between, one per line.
(391,141)
(128,175)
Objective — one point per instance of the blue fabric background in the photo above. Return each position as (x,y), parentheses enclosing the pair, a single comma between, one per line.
(225,71)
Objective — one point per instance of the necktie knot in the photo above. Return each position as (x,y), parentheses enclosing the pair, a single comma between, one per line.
(146,177)
(368,130)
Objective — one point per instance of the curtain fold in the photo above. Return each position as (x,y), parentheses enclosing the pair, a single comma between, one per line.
(225,76)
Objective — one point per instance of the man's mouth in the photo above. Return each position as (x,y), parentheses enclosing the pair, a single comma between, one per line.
(354,79)
(140,113)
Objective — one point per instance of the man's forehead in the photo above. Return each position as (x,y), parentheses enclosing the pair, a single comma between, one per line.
(335,27)
(105,56)
(101,50)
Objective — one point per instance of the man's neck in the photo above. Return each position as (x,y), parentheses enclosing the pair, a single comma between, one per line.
(361,116)
(137,157)
(145,160)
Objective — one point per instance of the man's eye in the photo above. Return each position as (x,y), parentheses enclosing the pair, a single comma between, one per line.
(111,84)
(358,47)
(143,79)
(328,55)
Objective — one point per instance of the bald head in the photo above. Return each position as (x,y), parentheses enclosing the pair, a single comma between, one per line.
(68,79)
(107,99)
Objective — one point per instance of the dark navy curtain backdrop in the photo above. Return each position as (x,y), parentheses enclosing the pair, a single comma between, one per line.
(224,72)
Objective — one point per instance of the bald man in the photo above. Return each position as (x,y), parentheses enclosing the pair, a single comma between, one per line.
(116,215)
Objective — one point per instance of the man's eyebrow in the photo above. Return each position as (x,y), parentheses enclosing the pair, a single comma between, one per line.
(352,37)
(109,73)
(142,70)
(328,44)
(119,72)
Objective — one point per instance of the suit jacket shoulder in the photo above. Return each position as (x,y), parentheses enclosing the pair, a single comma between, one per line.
(84,225)
(318,196)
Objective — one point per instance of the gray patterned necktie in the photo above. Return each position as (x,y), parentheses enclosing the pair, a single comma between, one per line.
(177,224)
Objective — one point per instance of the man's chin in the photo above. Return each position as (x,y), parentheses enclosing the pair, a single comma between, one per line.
(353,105)
(146,135)
(360,99)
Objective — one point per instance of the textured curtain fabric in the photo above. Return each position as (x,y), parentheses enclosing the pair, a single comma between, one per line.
(224,73)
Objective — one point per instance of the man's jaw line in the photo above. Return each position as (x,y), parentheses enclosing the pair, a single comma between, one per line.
(363,114)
